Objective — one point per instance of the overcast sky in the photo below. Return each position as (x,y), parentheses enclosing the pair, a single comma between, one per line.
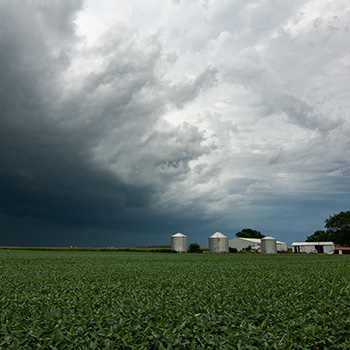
(123,122)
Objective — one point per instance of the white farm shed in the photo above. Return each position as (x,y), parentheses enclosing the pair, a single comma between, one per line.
(241,243)
(313,247)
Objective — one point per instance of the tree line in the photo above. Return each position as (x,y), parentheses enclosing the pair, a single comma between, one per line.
(337,230)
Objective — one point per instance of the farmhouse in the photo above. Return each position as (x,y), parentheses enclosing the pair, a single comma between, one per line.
(313,247)
(241,243)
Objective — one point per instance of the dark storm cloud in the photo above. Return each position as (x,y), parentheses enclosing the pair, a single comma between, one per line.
(46,166)
(79,145)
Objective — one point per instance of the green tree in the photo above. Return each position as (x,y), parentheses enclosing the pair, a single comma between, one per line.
(338,228)
(319,236)
(249,233)
(194,248)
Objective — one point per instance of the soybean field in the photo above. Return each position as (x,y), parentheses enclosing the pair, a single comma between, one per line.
(127,300)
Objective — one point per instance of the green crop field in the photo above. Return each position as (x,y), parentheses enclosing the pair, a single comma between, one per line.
(125,300)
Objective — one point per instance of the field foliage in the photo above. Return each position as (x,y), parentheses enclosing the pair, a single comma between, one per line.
(128,300)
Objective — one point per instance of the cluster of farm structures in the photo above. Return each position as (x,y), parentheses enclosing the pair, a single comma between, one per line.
(219,243)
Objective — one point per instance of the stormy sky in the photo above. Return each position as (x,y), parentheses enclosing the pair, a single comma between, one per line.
(124,122)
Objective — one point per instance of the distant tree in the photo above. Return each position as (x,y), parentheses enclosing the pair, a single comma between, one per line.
(338,228)
(194,248)
(249,233)
(319,236)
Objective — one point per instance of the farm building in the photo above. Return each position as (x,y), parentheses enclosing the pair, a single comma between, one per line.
(179,243)
(341,250)
(313,247)
(241,243)
(218,243)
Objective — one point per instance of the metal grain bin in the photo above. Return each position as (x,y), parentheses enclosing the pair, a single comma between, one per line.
(218,243)
(179,243)
(268,245)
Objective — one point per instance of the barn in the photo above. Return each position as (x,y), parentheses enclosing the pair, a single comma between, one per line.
(313,247)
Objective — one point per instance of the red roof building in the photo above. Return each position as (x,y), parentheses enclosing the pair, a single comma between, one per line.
(341,250)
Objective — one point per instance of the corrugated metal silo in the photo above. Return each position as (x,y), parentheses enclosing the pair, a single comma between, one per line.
(179,243)
(268,245)
(218,243)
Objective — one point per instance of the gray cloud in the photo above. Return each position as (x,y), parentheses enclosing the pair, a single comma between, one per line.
(187,91)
